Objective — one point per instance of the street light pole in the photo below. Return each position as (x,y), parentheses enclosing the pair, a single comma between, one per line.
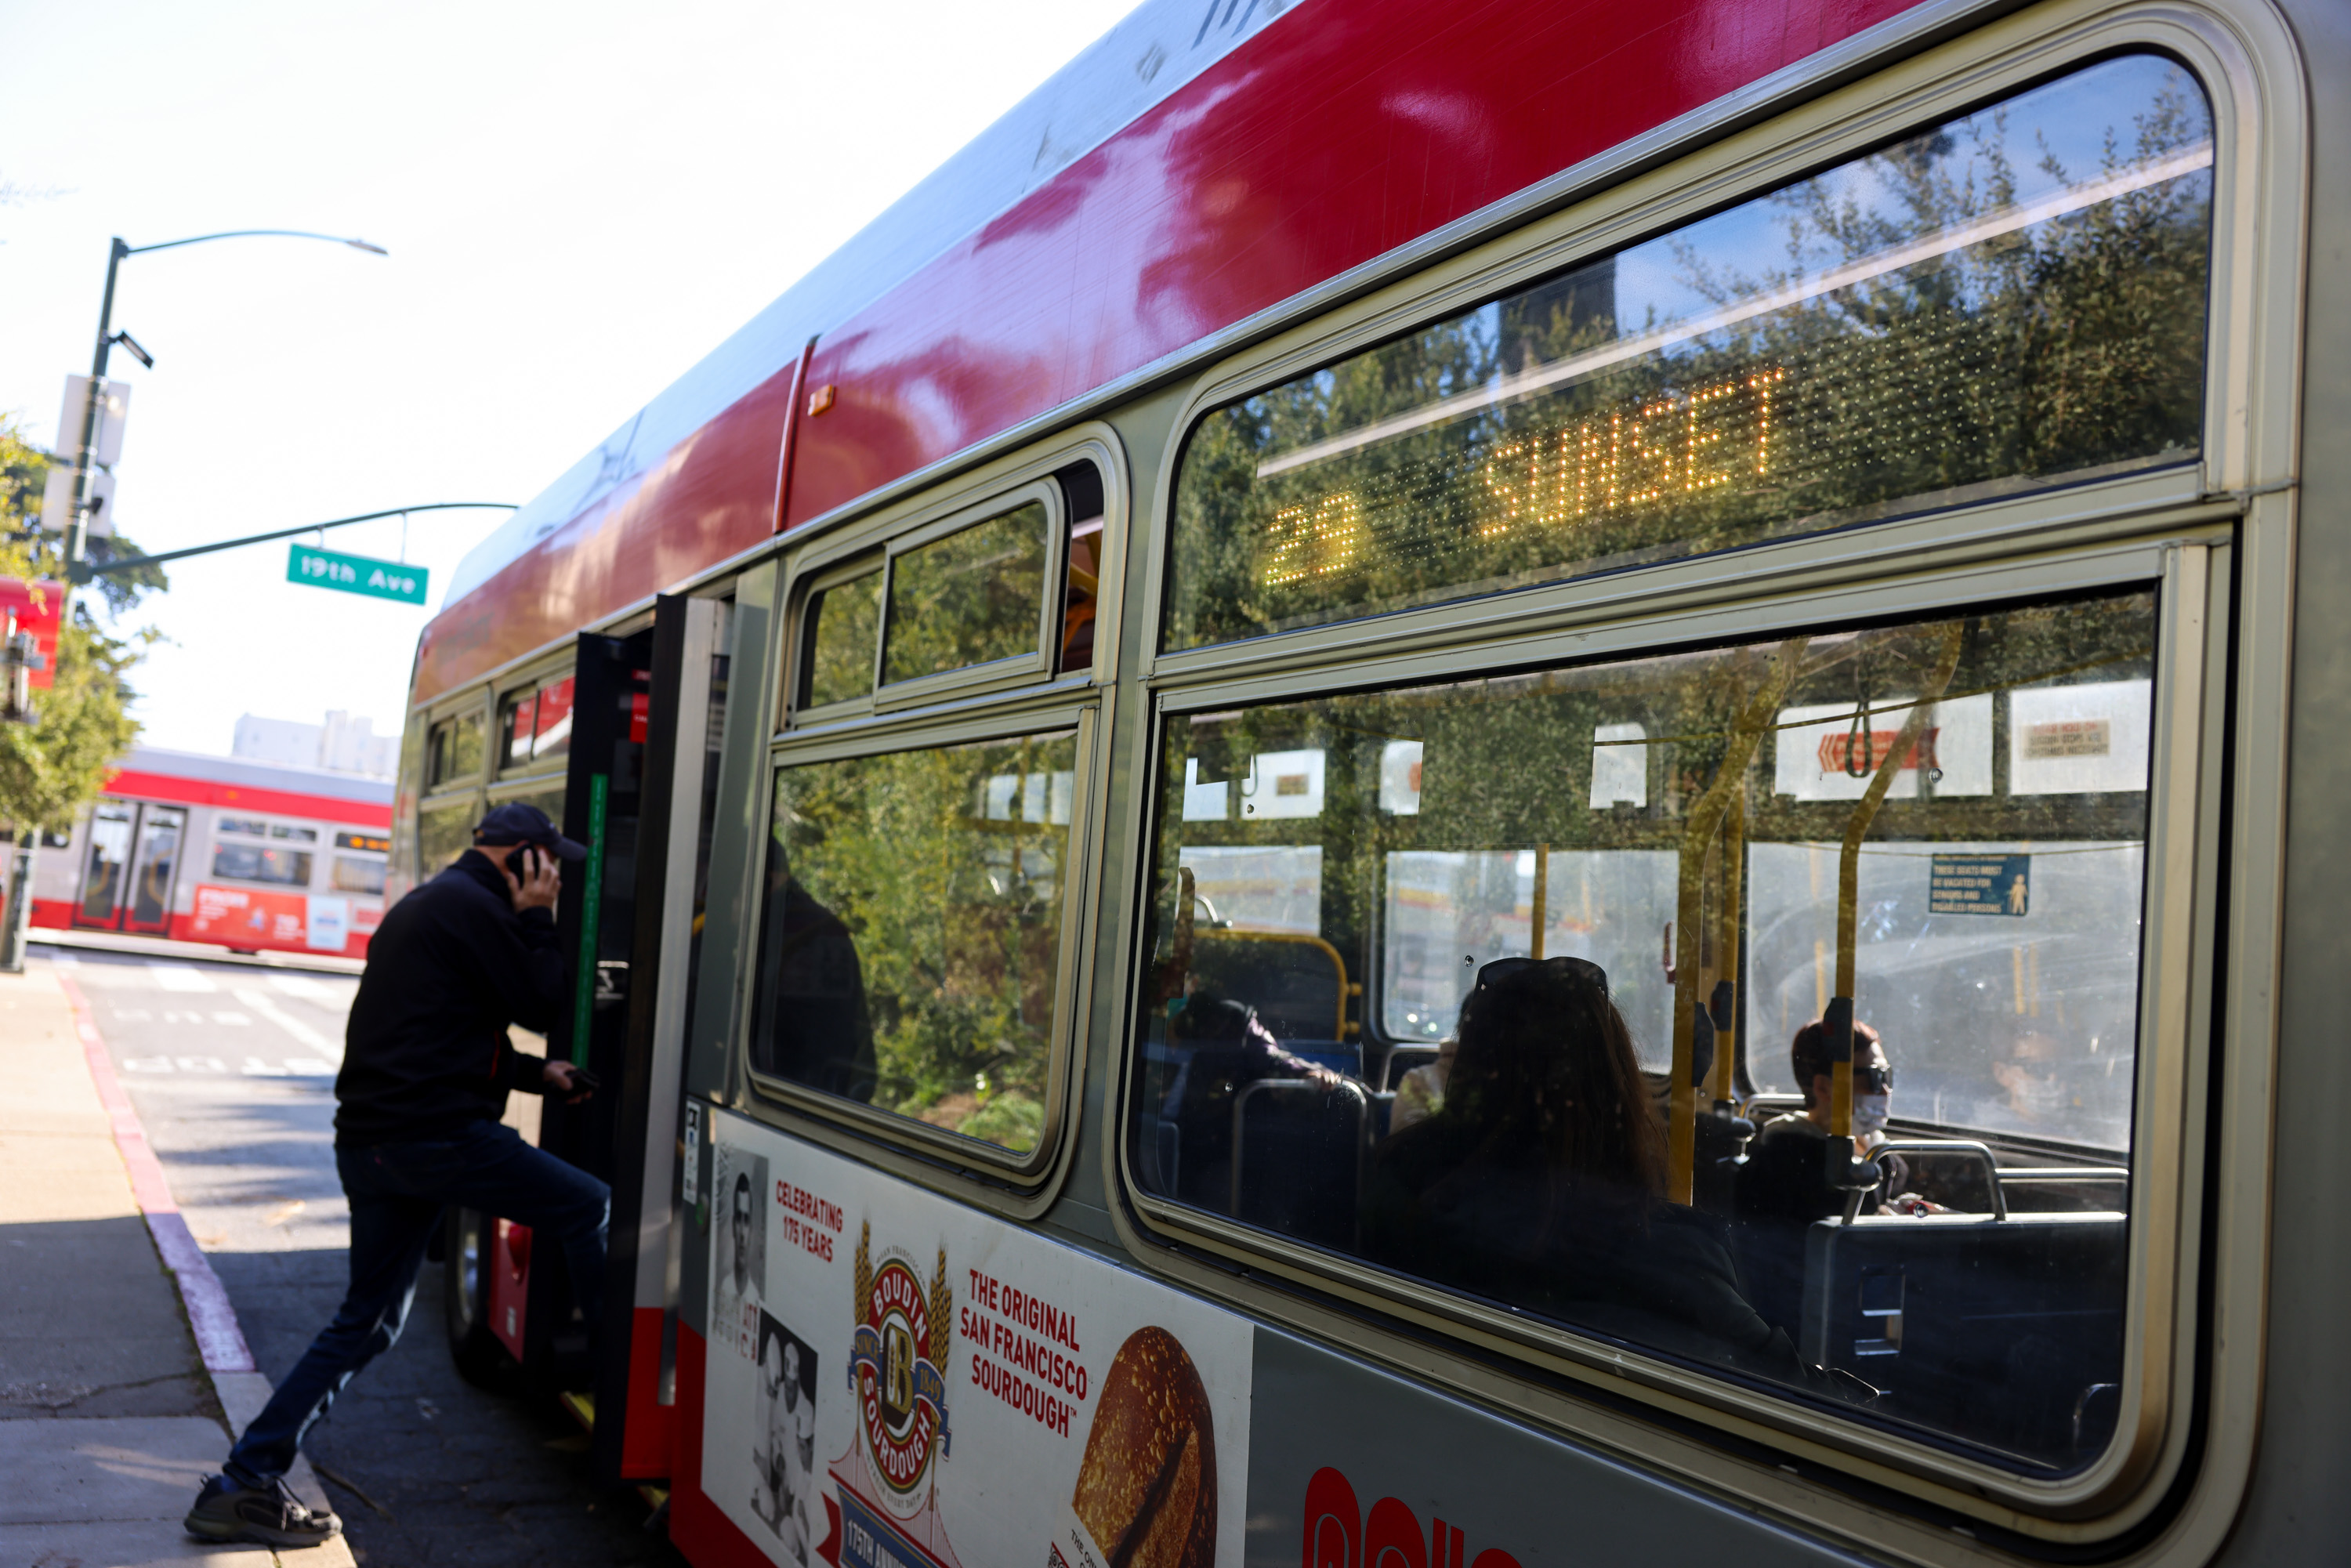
(16,916)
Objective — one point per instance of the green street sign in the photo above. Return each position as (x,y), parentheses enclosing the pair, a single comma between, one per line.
(356,574)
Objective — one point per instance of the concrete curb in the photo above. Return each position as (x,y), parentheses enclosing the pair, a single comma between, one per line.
(219,1338)
(240,1387)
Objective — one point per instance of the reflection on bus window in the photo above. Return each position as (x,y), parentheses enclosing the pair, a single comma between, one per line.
(443,834)
(552,722)
(844,631)
(971,598)
(1486,1014)
(2010,299)
(453,749)
(515,729)
(911,932)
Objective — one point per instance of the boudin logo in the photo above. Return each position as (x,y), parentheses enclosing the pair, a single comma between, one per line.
(902,1345)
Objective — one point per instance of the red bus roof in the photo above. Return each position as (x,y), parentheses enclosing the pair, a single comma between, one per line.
(1306,149)
(195,778)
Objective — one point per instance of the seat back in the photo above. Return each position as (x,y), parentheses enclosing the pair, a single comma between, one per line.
(1298,1148)
(1298,984)
(1995,1330)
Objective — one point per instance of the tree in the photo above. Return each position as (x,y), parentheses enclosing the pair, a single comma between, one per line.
(51,769)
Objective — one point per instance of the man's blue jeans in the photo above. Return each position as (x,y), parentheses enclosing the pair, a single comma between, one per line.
(397,1192)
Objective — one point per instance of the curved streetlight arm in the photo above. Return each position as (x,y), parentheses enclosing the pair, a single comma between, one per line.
(82,571)
(252,233)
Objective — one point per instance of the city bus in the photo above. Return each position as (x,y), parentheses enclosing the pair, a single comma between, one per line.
(252,856)
(1442,789)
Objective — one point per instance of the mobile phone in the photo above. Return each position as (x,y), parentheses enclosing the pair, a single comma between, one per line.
(529,859)
(583,1078)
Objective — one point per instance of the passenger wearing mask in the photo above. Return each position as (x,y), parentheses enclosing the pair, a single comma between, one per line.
(1540,1180)
(1784,1188)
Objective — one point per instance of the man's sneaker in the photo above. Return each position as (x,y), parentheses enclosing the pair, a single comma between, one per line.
(275,1517)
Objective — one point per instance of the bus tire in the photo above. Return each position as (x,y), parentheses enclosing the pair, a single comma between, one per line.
(465,1302)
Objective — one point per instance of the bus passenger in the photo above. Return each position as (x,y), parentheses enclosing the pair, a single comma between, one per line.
(2033,1095)
(811,1026)
(1421,1090)
(1540,1180)
(1784,1188)
(1226,1048)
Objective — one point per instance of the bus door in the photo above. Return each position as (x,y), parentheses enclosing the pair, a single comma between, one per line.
(594,920)
(103,877)
(134,853)
(154,862)
(636,1374)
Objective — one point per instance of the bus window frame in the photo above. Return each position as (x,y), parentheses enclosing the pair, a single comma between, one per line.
(2022,546)
(513,688)
(995,674)
(1015,1186)
(801,713)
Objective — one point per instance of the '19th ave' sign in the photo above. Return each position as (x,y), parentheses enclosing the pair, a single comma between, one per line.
(356,574)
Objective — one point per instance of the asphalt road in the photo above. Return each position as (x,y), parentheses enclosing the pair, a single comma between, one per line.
(231,1067)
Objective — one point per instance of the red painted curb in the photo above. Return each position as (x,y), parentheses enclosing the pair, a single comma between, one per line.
(219,1337)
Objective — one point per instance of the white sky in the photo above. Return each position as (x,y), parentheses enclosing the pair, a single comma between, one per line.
(581,201)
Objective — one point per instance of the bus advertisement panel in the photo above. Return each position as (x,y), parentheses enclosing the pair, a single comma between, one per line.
(897,1381)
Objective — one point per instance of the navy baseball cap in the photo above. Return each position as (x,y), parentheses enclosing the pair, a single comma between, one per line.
(515,823)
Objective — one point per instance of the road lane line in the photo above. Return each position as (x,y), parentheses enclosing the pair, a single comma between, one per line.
(180,978)
(266,1006)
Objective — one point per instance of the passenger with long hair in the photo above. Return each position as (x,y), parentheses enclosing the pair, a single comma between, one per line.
(1539,1182)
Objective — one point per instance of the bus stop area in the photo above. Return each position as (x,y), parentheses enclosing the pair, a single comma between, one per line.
(110,1410)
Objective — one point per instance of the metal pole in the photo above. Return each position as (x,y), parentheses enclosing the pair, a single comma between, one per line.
(17,917)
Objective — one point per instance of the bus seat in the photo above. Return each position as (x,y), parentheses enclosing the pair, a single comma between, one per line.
(1297,983)
(1997,1330)
(1298,1158)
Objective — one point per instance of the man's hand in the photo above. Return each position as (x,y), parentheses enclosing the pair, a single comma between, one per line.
(539,890)
(562,1078)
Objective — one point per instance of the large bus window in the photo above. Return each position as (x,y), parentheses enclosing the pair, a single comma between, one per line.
(442,832)
(911,932)
(357,874)
(971,598)
(1577,897)
(2010,299)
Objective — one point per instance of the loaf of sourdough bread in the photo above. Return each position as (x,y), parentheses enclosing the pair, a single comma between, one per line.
(1147,1485)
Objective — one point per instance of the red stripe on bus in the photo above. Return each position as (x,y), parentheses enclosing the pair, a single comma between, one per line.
(1328,140)
(133,784)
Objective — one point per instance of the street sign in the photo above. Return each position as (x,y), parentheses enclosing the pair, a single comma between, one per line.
(355,574)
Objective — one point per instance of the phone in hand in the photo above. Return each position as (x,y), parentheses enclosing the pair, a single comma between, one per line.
(527,862)
(581,1079)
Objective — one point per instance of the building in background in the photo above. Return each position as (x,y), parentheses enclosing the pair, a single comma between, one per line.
(341,745)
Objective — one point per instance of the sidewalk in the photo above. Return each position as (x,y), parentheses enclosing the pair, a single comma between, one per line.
(118,1376)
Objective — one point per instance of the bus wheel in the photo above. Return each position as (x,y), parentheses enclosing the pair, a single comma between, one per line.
(465,1301)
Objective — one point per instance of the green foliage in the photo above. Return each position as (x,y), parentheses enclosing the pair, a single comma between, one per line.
(51,769)
(947,868)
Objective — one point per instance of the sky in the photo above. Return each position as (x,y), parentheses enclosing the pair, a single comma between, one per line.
(579,201)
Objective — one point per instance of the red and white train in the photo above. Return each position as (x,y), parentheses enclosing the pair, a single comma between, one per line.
(252,856)
(1787,514)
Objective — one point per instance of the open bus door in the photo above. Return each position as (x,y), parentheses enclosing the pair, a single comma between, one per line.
(641,739)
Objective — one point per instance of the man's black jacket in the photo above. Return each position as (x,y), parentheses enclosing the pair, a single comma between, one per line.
(453,964)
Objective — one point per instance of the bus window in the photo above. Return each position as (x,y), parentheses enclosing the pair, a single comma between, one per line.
(551,721)
(442,832)
(2013,299)
(911,932)
(453,749)
(258,862)
(1552,936)
(515,729)
(357,874)
(844,631)
(971,598)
